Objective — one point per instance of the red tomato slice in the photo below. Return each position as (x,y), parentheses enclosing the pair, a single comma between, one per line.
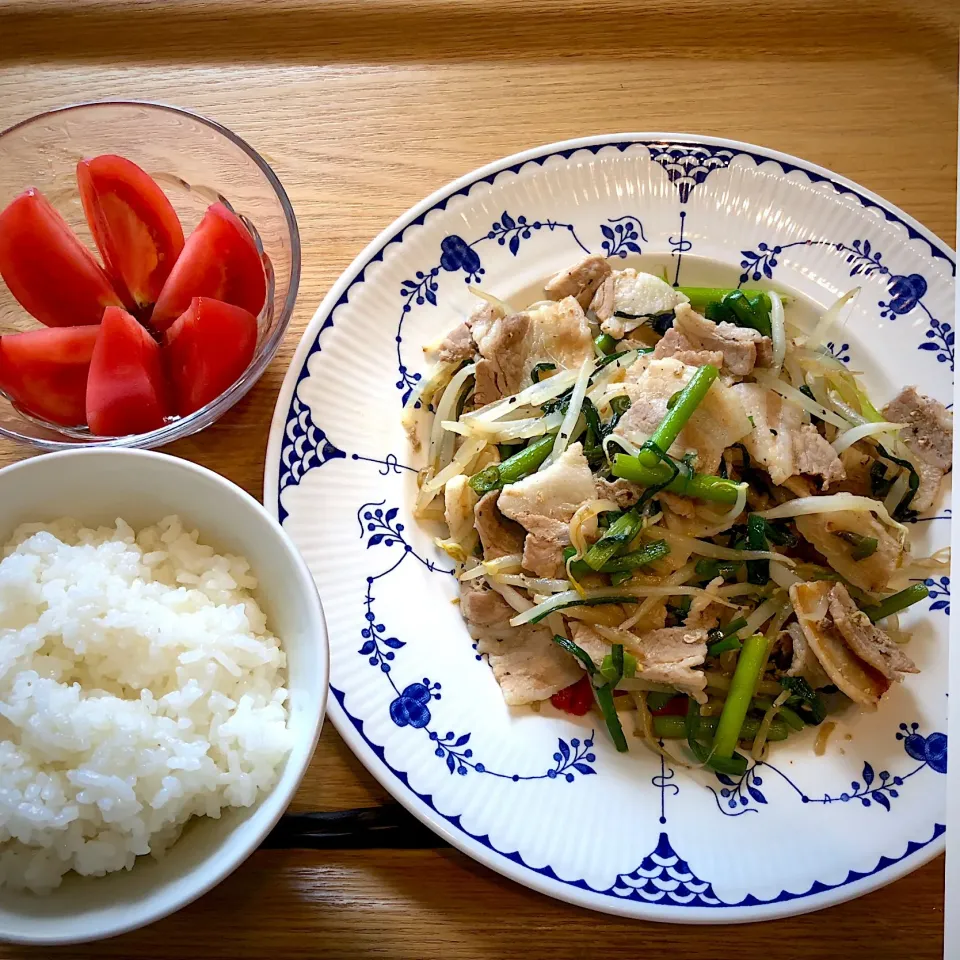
(207,349)
(45,372)
(50,272)
(134,226)
(220,261)
(677,707)
(576,699)
(126,391)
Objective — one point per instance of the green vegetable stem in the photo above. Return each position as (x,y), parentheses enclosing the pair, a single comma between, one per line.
(687,484)
(602,694)
(677,416)
(674,728)
(897,602)
(648,554)
(514,468)
(751,661)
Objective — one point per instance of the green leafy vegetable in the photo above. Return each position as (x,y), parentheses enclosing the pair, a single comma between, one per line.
(605,343)
(593,441)
(680,608)
(758,571)
(536,374)
(657,700)
(701,297)
(860,547)
(602,694)
(619,534)
(734,764)
(723,645)
(745,308)
(618,664)
(707,568)
(880,484)
(722,639)
(718,633)
(790,718)
(902,510)
(805,700)
(779,533)
(619,406)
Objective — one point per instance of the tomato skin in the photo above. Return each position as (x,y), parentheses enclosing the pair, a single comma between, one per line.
(220,261)
(677,707)
(50,272)
(207,348)
(134,225)
(126,390)
(576,699)
(45,372)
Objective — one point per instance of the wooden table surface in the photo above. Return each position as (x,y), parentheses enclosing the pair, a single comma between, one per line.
(363,108)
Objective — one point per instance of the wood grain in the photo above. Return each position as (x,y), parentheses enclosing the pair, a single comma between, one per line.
(365,107)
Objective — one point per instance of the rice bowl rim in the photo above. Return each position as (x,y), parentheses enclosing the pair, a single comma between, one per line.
(246,836)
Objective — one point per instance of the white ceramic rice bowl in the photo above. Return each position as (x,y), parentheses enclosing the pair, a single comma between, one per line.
(97,486)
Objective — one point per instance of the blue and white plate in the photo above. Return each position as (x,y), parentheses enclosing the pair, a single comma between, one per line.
(544,798)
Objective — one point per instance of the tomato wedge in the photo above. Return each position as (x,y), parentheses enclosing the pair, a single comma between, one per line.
(576,699)
(677,707)
(126,392)
(134,225)
(50,272)
(219,260)
(45,372)
(207,348)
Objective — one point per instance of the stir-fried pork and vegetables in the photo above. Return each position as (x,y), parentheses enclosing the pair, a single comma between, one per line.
(675,503)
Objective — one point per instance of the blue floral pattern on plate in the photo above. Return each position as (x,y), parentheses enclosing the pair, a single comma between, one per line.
(905,292)
(743,794)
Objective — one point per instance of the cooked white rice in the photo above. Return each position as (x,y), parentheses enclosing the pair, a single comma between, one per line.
(139,686)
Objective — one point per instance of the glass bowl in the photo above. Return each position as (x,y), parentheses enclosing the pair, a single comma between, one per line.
(197,162)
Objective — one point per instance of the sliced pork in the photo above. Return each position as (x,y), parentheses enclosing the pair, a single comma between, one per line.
(865,639)
(857,656)
(741,348)
(457,346)
(511,346)
(579,281)
(628,297)
(928,433)
(803,662)
(482,606)
(781,442)
(668,655)
(622,492)
(717,423)
(499,536)
(675,344)
(544,503)
(826,532)
(526,662)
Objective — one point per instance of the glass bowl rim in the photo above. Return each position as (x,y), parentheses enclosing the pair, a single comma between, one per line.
(205,416)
